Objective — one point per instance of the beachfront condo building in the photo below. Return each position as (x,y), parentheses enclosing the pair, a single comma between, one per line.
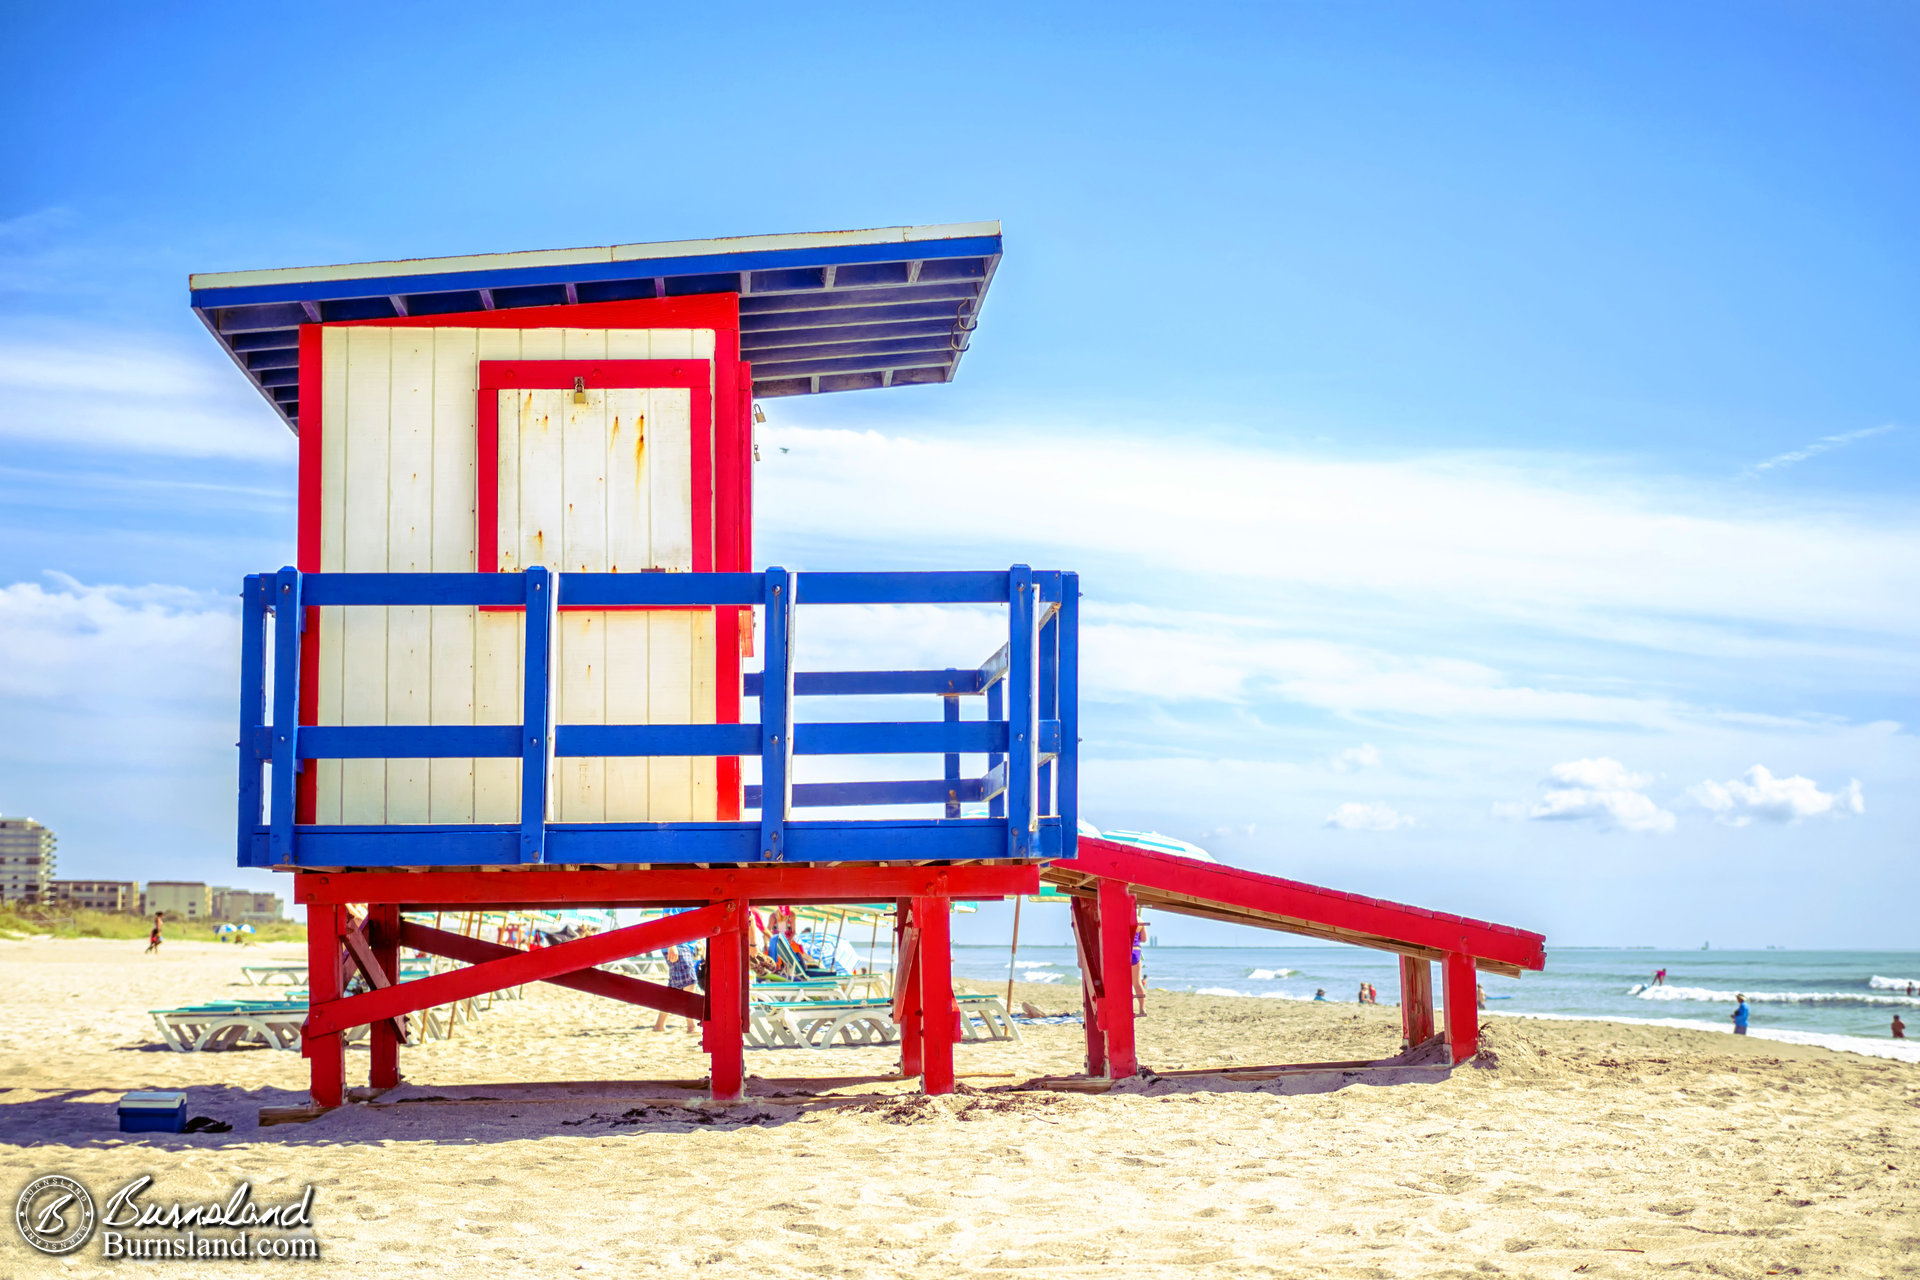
(244,906)
(180,899)
(95,895)
(26,860)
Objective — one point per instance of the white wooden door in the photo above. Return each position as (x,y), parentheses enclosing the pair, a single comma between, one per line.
(605,486)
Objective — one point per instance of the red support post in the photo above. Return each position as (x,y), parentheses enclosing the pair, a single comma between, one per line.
(326,1054)
(1086,937)
(1117,917)
(383,933)
(906,991)
(723,1027)
(937,1009)
(1462,1005)
(1416,1000)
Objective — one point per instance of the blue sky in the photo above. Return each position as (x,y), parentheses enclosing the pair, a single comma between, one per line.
(1488,434)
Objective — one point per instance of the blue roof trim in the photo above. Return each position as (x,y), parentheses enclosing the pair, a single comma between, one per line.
(588,272)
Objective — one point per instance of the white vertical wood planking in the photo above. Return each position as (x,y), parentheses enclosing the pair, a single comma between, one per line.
(455,377)
(409,550)
(363,692)
(498,633)
(333,557)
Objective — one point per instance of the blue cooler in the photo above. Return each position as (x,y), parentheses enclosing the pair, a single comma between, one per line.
(153,1112)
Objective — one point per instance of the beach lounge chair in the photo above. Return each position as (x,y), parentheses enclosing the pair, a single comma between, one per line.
(230,1024)
(274,975)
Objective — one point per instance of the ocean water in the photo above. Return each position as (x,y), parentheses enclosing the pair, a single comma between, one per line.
(1842,999)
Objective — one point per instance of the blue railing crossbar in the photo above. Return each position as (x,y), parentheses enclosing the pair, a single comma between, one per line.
(1029,736)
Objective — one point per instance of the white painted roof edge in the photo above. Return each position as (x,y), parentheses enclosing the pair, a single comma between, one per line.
(605,253)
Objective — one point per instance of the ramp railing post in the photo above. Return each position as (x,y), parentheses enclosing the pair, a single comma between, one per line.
(906,986)
(1049,709)
(1462,1006)
(1117,915)
(1086,939)
(326,1055)
(536,720)
(1416,1000)
(937,1009)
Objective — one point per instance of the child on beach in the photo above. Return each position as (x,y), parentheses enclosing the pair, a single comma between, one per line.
(153,939)
(681,978)
(1739,1014)
(1139,976)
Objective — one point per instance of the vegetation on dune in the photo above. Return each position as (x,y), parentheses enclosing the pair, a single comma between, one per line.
(60,922)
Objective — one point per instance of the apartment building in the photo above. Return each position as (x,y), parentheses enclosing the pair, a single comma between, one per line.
(180,899)
(244,906)
(95,895)
(27,860)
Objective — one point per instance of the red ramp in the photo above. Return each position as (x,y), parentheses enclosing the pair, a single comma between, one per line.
(1109,881)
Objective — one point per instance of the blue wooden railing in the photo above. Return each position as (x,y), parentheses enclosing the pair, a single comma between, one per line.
(1029,736)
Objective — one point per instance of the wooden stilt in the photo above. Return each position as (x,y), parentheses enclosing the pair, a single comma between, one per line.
(906,987)
(383,933)
(1416,1000)
(724,1026)
(1462,1006)
(1117,916)
(938,1013)
(1086,937)
(326,1054)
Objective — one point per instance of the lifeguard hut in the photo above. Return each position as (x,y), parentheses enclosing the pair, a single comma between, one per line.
(510,665)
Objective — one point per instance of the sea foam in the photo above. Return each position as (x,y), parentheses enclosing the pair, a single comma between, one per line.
(1893,984)
(1270,975)
(1898,1050)
(1702,994)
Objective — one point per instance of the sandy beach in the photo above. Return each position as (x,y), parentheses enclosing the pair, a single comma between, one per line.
(1568,1147)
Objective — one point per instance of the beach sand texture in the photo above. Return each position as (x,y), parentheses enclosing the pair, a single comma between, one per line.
(1588,1148)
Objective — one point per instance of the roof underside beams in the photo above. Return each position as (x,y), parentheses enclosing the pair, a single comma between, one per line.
(812,320)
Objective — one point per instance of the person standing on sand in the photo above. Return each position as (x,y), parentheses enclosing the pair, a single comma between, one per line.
(1739,1014)
(1139,974)
(1899,1028)
(1320,995)
(153,939)
(680,978)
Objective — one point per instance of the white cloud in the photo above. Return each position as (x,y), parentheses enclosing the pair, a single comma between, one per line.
(1601,791)
(1364,756)
(1761,795)
(1824,444)
(108,389)
(1353,816)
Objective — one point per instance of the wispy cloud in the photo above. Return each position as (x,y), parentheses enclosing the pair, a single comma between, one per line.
(1601,792)
(1354,816)
(1825,444)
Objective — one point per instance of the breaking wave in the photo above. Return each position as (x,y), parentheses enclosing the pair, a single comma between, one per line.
(1248,995)
(1894,984)
(1270,975)
(1646,992)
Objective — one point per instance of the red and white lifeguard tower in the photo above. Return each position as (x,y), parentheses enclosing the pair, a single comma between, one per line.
(507,669)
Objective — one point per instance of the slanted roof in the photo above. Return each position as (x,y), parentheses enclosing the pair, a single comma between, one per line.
(821,311)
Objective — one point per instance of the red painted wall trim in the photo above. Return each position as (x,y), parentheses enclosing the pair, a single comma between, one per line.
(307,554)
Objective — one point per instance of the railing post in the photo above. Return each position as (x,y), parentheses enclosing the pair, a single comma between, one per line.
(1022,715)
(289,619)
(1068,690)
(950,713)
(536,718)
(776,717)
(253,709)
(1049,708)
(996,710)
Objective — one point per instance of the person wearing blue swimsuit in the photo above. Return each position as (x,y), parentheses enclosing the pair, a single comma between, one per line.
(1139,977)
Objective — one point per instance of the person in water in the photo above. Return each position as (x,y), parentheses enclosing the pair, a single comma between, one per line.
(1739,1014)
(1899,1028)
(1320,995)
